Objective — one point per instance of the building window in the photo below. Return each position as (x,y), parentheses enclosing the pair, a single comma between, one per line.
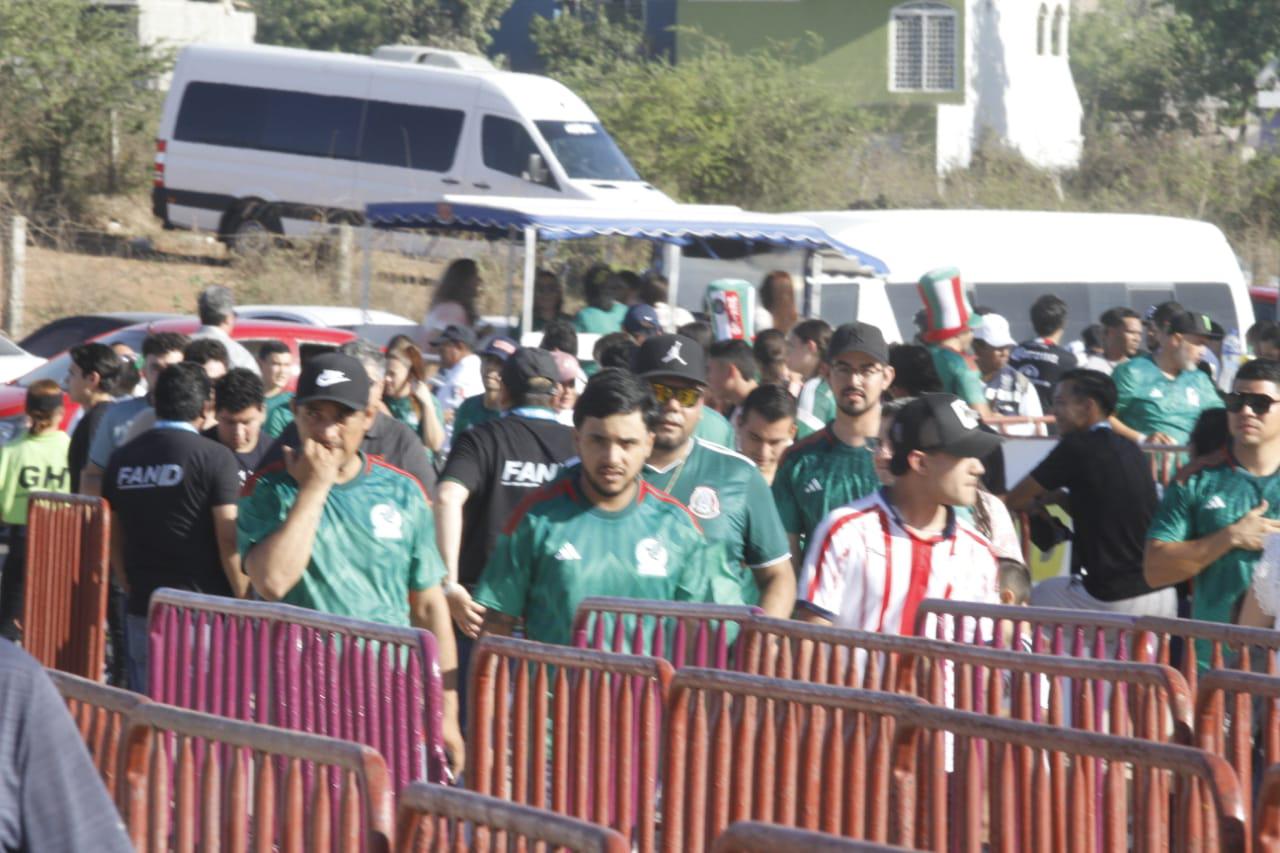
(1059,40)
(922,48)
(1042,23)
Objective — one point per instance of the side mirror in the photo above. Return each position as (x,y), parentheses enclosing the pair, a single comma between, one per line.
(536,170)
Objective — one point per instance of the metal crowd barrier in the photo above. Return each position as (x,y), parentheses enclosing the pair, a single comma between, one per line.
(1266,817)
(752,837)
(101,714)
(1225,718)
(683,633)
(67,575)
(193,780)
(573,731)
(303,670)
(875,765)
(436,819)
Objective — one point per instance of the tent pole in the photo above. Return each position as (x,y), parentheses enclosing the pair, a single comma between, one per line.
(671,269)
(530,270)
(511,275)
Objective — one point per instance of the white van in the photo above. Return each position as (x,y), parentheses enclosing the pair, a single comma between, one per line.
(270,139)
(1008,258)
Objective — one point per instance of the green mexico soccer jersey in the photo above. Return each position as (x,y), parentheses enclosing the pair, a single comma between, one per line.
(375,543)
(958,376)
(815,408)
(472,412)
(558,549)
(715,428)
(732,502)
(1149,401)
(816,476)
(279,414)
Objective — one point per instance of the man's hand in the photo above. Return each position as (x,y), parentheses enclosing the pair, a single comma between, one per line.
(1251,531)
(313,465)
(1159,438)
(466,613)
(454,745)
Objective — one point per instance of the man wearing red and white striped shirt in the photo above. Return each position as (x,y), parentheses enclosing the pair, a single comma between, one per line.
(871,562)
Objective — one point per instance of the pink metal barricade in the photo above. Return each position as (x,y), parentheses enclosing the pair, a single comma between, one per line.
(67,575)
(303,670)
(570,730)
(683,633)
(100,713)
(1165,460)
(875,765)
(435,819)
(195,781)
(751,837)
(1225,718)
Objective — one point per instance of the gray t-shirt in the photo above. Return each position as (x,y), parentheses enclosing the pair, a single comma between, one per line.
(112,429)
(51,797)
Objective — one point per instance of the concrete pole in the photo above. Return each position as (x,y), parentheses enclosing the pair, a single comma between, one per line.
(344,247)
(15,269)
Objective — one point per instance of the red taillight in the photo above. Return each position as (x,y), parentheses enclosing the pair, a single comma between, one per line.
(158,174)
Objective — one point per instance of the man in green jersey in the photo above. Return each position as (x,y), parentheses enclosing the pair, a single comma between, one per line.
(834,465)
(597,530)
(276,364)
(807,344)
(766,428)
(722,488)
(337,530)
(1161,396)
(948,330)
(482,408)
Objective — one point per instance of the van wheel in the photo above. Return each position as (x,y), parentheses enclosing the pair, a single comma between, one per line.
(253,233)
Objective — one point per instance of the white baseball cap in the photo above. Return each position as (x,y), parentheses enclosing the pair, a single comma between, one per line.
(994,332)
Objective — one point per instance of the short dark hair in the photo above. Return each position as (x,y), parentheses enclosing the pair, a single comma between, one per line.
(1210,433)
(100,359)
(1270,335)
(738,353)
(1165,312)
(161,343)
(1092,336)
(654,289)
(697,331)
(1048,314)
(771,402)
(1093,384)
(1259,370)
(273,347)
(237,390)
(181,392)
(616,349)
(1256,331)
(1014,576)
(600,286)
(816,332)
(913,370)
(559,334)
(616,392)
(204,350)
(1113,318)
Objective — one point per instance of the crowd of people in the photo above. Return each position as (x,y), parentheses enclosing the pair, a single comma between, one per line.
(466,484)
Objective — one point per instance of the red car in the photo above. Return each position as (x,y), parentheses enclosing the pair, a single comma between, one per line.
(303,342)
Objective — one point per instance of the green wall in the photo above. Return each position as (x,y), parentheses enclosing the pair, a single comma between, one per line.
(854,33)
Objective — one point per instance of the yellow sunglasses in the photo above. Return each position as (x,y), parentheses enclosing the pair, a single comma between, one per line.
(684,396)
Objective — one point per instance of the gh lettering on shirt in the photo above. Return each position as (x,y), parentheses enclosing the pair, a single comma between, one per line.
(33,476)
(148,476)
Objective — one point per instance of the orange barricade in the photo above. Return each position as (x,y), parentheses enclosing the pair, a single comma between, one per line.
(65,605)
(436,819)
(193,780)
(570,730)
(890,768)
(1266,817)
(100,713)
(1155,703)
(1225,727)
(751,837)
(683,633)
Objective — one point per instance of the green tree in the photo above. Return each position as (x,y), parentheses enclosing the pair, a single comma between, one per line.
(71,74)
(1240,38)
(359,26)
(589,41)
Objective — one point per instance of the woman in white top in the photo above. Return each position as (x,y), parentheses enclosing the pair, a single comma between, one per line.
(454,300)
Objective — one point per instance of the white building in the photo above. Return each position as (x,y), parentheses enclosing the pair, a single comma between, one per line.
(1019,90)
(176,23)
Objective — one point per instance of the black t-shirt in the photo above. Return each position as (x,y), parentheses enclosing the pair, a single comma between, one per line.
(1043,363)
(500,463)
(250,461)
(81,438)
(388,438)
(1112,502)
(162,487)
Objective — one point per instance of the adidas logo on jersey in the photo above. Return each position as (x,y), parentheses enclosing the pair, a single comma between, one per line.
(812,486)
(568,552)
(1215,502)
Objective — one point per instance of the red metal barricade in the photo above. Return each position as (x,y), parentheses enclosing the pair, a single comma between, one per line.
(436,819)
(570,730)
(1266,817)
(1154,703)
(751,837)
(100,713)
(303,670)
(1225,721)
(193,781)
(683,633)
(68,572)
(890,768)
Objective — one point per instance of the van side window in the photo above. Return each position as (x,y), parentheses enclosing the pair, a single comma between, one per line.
(410,137)
(506,146)
(269,120)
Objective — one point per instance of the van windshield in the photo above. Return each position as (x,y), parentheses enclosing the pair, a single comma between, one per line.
(586,151)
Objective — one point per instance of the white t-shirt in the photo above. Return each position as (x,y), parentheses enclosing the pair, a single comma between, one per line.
(456,384)
(865,570)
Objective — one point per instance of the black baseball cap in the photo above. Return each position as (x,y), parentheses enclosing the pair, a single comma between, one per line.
(939,423)
(501,348)
(335,377)
(1191,323)
(455,335)
(675,356)
(641,318)
(527,365)
(858,337)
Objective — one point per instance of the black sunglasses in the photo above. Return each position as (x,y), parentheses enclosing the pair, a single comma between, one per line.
(1260,403)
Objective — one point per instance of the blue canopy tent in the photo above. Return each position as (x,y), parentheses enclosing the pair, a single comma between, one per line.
(674,226)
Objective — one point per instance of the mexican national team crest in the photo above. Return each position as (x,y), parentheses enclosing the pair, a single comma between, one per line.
(704,502)
(1193,396)
(387,522)
(651,558)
